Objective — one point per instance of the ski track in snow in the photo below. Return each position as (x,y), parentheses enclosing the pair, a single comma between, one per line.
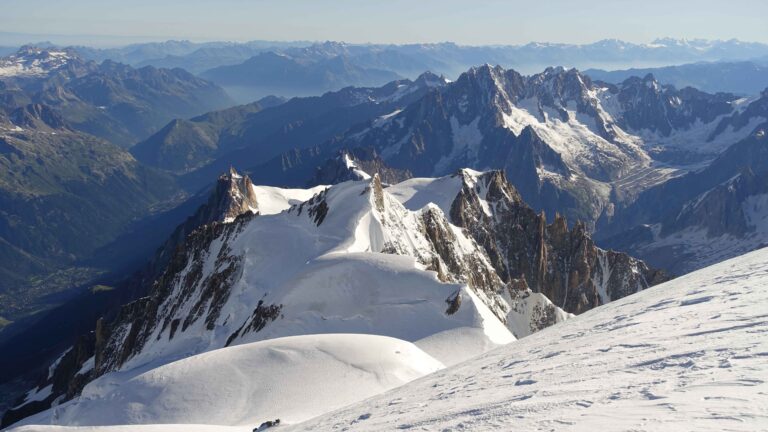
(691,354)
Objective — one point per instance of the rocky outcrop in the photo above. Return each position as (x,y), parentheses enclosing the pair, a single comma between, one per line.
(139,321)
(564,264)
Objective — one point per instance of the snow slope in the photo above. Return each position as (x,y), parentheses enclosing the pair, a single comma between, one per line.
(691,354)
(293,379)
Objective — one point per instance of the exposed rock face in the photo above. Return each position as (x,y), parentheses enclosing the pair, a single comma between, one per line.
(137,322)
(649,105)
(565,265)
(234,196)
(37,116)
(491,117)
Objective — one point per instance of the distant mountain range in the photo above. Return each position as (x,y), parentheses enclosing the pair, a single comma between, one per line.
(745,78)
(102,160)
(248,136)
(110,100)
(255,69)
(271,73)
(443,58)
(708,215)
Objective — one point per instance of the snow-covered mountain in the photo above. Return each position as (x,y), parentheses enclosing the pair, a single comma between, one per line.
(31,61)
(685,355)
(566,143)
(455,265)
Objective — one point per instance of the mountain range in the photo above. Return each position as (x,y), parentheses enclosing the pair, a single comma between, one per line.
(68,187)
(450,59)
(382,230)
(584,148)
(743,78)
(248,136)
(255,69)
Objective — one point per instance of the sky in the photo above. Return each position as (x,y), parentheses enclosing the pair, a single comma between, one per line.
(469,22)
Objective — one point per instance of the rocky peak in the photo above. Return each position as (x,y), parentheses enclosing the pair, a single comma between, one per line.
(491,85)
(221,286)
(556,87)
(430,80)
(720,210)
(234,196)
(757,109)
(648,105)
(357,164)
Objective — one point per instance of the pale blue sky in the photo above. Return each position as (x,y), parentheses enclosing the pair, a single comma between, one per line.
(398,21)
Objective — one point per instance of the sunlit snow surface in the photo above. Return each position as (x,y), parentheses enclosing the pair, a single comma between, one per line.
(691,354)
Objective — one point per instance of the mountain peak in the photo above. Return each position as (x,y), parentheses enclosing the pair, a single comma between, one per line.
(232,197)
(430,79)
